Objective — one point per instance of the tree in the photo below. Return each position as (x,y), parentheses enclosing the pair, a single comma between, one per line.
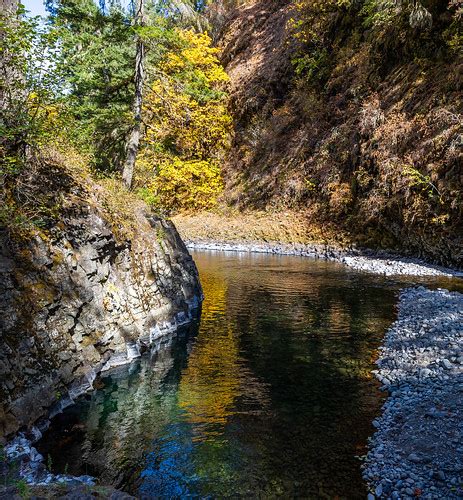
(185,109)
(96,65)
(28,82)
(133,142)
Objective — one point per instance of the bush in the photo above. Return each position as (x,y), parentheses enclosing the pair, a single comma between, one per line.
(184,184)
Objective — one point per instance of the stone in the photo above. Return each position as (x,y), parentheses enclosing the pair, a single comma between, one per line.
(421,418)
(447,364)
(81,285)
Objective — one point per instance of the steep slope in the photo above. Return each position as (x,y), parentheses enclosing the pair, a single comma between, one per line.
(91,286)
(362,130)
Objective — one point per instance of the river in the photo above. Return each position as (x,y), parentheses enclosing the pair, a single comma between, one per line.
(269,394)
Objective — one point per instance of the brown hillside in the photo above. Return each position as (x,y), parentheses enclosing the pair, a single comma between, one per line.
(370,140)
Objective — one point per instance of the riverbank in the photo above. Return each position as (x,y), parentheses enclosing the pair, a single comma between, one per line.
(362,260)
(25,475)
(287,233)
(418,447)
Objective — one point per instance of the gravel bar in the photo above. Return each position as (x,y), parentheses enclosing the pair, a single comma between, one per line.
(362,260)
(417,450)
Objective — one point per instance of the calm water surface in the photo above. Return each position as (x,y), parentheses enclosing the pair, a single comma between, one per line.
(270,394)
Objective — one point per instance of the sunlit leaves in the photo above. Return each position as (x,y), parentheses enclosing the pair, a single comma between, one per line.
(188,126)
(184,184)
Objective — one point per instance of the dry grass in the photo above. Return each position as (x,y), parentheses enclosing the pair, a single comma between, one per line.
(376,151)
(53,185)
(254,226)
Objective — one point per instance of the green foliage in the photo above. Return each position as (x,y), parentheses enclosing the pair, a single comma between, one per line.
(96,66)
(420,181)
(69,86)
(149,196)
(160,235)
(454,34)
(23,489)
(374,16)
(396,30)
(314,65)
(309,27)
(29,84)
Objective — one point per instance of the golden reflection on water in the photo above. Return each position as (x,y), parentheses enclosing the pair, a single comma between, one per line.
(216,375)
(270,394)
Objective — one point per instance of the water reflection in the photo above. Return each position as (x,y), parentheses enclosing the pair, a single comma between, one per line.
(270,396)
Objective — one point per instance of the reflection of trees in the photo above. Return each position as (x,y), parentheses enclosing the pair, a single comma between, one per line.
(110,434)
(124,418)
(273,398)
(216,374)
(215,385)
(309,330)
(211,383)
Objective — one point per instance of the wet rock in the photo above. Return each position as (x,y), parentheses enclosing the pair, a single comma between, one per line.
(77,298)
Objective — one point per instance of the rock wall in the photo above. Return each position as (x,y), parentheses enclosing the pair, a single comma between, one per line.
(76,300)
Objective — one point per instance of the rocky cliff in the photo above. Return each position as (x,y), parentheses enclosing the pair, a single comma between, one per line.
(80,294)
(351,116)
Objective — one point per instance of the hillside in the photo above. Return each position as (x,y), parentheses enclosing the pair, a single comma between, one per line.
(355,122)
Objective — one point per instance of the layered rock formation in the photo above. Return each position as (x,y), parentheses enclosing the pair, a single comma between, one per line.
(77,299)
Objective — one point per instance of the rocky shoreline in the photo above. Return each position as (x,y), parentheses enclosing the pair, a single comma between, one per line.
(417,450)
(21,460)
(362,260)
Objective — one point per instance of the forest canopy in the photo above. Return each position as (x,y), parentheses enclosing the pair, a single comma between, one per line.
(70,84)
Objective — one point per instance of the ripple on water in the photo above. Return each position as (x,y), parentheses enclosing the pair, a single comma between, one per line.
(270,395)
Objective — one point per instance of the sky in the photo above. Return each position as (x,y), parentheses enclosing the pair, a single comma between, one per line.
(35,7)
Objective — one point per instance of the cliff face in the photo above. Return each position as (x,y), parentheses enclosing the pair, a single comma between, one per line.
(79,298)
(365,135)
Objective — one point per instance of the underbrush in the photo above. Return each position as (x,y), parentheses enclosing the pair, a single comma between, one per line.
(46,186)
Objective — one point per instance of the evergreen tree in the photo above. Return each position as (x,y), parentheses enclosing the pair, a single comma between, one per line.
(96,63)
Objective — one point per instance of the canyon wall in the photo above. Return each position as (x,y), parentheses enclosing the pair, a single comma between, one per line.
(80,297)
(358,125)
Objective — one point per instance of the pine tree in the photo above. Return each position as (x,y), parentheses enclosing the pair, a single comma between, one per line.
(96,65)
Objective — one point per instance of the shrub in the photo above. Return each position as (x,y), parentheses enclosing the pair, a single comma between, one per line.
(185,184)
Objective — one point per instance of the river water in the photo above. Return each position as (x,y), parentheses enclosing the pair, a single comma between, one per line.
(268,394)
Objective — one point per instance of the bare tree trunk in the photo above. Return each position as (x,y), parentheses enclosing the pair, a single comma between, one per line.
(134,138)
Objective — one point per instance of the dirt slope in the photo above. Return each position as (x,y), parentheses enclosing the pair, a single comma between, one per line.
(372,144)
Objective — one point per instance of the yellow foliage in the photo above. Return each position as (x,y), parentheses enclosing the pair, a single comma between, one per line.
(185,184)
(188,127)
(198,53)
